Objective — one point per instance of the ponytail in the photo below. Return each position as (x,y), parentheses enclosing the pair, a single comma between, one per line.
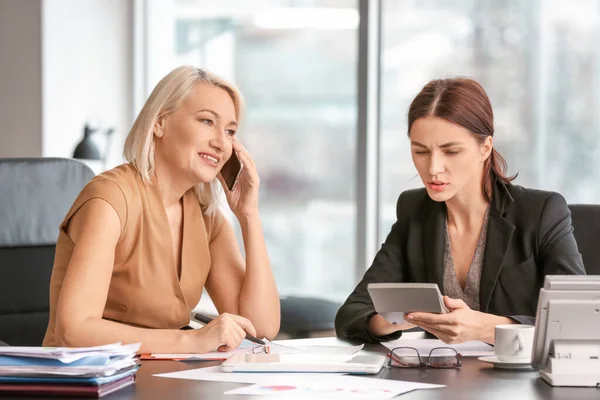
(495,169)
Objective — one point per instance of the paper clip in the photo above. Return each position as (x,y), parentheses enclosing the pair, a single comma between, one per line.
(261,350)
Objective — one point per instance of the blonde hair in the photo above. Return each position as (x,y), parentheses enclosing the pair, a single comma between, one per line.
(166,98)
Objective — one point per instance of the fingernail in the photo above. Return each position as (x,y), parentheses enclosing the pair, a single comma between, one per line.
(410,317)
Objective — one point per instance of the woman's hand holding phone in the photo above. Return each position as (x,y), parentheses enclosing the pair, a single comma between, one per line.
(243,198)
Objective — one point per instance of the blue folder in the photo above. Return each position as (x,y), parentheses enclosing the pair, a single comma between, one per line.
(96,381)
(17,361)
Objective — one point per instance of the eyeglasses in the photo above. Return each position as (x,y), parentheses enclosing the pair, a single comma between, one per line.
(439,357)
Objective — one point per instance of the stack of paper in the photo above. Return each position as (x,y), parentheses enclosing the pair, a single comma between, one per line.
(89,371)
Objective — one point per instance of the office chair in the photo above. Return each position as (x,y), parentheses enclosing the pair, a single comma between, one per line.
(35,195)
(303,316)
(586,228)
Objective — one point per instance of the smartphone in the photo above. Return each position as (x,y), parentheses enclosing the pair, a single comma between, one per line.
(231,171)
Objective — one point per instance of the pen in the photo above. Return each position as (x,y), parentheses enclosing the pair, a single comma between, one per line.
(205,320)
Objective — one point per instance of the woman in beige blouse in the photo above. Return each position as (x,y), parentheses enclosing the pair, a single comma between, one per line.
(143,239)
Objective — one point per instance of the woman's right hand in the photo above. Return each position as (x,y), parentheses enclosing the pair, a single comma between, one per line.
(224,333)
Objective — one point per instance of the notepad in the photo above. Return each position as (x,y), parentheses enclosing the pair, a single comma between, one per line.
(359,364)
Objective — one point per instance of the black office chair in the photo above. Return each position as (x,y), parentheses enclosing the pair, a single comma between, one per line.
(35,195)
(302,317)
(586,225)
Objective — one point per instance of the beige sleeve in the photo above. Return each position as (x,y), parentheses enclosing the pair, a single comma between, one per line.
(105,189)
(214,224)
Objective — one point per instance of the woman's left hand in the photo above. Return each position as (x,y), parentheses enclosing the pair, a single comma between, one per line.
(460,325)
(243,199)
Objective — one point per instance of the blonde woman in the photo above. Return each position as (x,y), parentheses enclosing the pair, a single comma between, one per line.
(143,239)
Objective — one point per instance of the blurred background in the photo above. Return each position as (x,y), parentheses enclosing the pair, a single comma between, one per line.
(327,85)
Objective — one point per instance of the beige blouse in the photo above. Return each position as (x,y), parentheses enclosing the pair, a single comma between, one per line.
(146,288)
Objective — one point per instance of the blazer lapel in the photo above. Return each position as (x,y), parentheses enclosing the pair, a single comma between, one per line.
(499,234)
(433,240)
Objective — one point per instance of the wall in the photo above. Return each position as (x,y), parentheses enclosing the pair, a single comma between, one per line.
(20,78)
(87,72)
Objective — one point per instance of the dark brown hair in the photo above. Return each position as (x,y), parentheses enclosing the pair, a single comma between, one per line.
(463,102)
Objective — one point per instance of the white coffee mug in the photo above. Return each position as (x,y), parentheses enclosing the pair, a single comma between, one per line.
(514,342)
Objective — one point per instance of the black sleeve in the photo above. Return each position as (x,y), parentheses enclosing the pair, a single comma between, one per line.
(523,319)
(559,254)
(352,318)
(558,250)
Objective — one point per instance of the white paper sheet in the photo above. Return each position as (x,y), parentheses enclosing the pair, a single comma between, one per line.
(216,375)
(320,341)
(245,347)
(213,356)
(334,387)
(471,348)
(281,347)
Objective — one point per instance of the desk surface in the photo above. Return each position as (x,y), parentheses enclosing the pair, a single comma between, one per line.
(475,380)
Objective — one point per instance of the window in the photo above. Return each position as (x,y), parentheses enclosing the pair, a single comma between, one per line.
(296,67)
(296,63)
(539,63)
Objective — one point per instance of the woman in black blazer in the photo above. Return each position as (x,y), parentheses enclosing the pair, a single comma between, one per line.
(486,242)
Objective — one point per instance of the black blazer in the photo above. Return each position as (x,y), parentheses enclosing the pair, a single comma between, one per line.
(529,236)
